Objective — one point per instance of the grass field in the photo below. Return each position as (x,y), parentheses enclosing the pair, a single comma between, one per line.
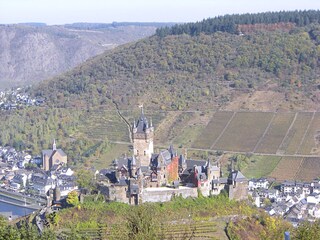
(277,131)
(212,130)
(114,151)
(287,168)
(260,166)
(244,131)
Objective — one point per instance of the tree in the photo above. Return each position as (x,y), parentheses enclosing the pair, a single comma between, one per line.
(28,231)
(308,231)
(73,198)
(142,224)
(48,234)
(85,179)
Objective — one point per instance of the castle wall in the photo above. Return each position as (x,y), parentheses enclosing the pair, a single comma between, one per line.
(118,194)
(163,194)
(239,191)
(205,188)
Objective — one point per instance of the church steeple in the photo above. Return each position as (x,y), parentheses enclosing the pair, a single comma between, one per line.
(54,146)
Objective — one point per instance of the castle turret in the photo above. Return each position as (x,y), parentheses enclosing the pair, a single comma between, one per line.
(54,146)
(142,136)
(133,167)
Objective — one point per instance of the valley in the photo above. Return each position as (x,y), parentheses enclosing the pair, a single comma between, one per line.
(219,102)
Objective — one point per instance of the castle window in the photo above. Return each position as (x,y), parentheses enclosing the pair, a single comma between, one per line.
(145,153)
(138,152)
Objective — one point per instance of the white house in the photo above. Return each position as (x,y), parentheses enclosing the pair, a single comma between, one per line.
(258,183)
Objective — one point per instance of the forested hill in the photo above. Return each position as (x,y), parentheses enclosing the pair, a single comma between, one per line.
(195,72)
(230,23)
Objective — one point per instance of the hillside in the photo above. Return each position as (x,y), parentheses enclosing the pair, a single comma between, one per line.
(183,80)
(30,52)
(193,72)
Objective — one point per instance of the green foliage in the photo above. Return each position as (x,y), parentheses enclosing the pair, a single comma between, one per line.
(85,178)
(261,227)
(307,231)
(48,234)
(53,218)
(198,68)
(142,223)
(73,198)
(229,23)
(28,231)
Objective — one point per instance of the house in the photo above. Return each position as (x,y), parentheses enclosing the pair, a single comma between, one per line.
(258,183)
(313,198)
(288,187)
(53,158)
(256,198)
(42,183)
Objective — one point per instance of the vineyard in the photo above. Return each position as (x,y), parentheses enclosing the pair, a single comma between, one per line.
(262,132)
(289,140)
(287,168)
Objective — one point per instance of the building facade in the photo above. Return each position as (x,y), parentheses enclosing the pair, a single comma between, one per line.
(53,157)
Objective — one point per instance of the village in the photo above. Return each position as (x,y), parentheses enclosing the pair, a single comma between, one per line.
(16,99)
(294,200)
(147,176)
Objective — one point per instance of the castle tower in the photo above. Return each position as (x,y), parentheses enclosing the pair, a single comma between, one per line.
(142,136)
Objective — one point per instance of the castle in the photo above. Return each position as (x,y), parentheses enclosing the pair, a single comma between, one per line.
(157,177)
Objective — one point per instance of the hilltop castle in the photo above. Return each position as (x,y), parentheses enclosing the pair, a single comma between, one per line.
(157,177)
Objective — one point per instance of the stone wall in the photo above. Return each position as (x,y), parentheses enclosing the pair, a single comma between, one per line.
(143,149)
(238,192)
(164,194)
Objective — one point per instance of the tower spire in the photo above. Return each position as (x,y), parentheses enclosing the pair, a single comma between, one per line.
(141,108)
(54,146)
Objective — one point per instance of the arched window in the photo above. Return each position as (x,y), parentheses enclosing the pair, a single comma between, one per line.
(145,153)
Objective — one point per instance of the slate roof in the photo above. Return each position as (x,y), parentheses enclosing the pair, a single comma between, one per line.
(191,163)
(163,158)
(237,176)
(142,123)
(122,182)
(49,152)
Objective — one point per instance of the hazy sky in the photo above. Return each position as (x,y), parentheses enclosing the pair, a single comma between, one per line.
(69,11)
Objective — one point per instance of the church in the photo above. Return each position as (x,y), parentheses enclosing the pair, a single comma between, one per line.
(52,158)
(147,176)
